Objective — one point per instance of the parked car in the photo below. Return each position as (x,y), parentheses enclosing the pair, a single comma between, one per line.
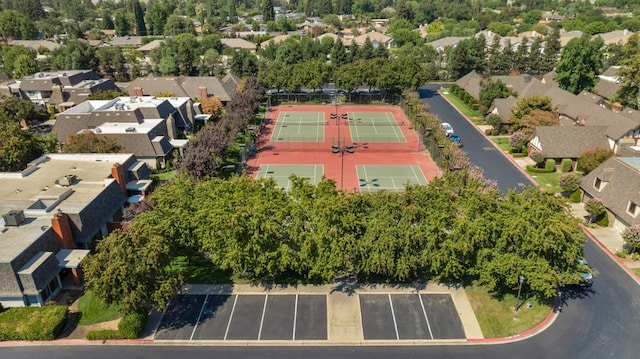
(448,129)
(455,139)
(586,276)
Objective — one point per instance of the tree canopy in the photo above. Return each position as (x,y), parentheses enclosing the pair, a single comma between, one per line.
(579,64)
(88,142)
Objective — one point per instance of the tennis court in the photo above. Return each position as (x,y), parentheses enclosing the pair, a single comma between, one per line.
(281,173)
(375,127)
(372,178)
(299,127)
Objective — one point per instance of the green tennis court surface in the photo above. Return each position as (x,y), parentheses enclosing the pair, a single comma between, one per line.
(373,178)
(299,127)
(281,173)
(375,127)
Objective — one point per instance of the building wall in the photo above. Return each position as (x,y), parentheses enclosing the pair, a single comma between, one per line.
(102,209)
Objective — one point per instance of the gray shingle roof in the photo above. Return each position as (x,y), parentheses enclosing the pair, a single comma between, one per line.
(623,186)
(503,107)
(471,83)
(606,89)
(570,141)
(180,86)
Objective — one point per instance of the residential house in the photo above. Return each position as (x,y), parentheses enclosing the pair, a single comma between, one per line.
(37,45)
(502,107)
(126,41)
(275,41)
(441,45)
(566,36)
(615,37)
(149,127)
(376,38)
(616,182)
(608,83)
(51,212)
(195,87)
(471,84)
(62,89)
(561,142)
(238,44)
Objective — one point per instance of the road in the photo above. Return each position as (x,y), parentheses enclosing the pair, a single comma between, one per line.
(602,322)
(480,150)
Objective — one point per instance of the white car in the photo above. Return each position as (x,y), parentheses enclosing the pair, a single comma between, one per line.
(447,128)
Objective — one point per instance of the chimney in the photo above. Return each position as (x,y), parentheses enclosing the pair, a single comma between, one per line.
(202,93)
(117,172)
(62,228)
(137,91)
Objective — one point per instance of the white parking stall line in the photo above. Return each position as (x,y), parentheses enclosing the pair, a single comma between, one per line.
(226,332)
(295,318)
(425,316)
(393,314)
(264,309)
(206,300)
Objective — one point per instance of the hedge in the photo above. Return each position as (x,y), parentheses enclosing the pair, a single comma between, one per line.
(566,164)
(550,165)
(603,220)
(32,323)
(103,334)
(132,325)
(576,196)
(533,169)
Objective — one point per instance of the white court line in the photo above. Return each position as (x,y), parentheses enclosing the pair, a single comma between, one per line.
(413,169)
(264,309)
(279,126)
(355,127)
(395,187)
(226,332)
(366,179)
(425,316)
(393,314)
(295,317)
(395,128)
(199,316)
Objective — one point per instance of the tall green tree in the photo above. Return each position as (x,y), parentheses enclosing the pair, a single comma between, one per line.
(467,56)
(491,90)
(18,147)
(552,50)
(138,14)
(629,74)
(75,55)
(268,14)
(88,142)
(157,14)
(580,63)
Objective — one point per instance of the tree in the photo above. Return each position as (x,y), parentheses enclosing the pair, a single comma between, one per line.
(212,106)
(528,104)
(595,208)
(138,14)
(569,182)
(517,140)
(579,64)
(491,90)
(201,156)
(629,74)
(244,63)
(10,55)
(552,49)
(15,110)
(88,142)
(130,268)
(24,65)
(631,236)
(467,56)
(591,159)
(177,24)
(121,22)
(338,53)
(528,123)
(157,15)
(18,147)
(75,55)
(268,14)
(111,61)
(15,25)
(134,209)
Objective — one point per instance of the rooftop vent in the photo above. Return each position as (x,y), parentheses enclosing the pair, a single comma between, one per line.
(130,129)
(13,218)
(66,180)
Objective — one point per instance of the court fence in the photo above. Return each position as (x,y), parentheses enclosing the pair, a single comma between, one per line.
(333,144)
(359,98)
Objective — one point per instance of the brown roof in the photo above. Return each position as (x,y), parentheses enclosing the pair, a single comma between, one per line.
(622,178)
(570,141)
(180,86)
(606,89)
(471,83)
(503,107)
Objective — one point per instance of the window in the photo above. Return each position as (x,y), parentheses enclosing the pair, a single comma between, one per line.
(598,184)
(633,209)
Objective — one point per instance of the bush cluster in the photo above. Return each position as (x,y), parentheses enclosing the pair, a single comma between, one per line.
(132,325)
(576,196)
(566,165)
(550,165)
(533,169)
(103,334)
(569,182)
(32,323)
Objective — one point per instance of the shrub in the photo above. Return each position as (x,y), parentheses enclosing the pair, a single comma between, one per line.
(519,154)
(517,140)
(566,164)
(631,235)
(493,120)
(595,208)
(622,253)
(132,325)
(591,159)
(569,182)
(32,323)
(103,334)
(495,132)
(550,165)
(576,196)
(635,256)
(537,157)
(488,132)
(603,220)
(533,169)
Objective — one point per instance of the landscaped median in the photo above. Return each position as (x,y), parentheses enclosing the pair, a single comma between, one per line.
(497,317)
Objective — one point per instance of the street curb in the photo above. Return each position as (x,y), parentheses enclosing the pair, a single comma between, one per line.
(510,158)
(612,255)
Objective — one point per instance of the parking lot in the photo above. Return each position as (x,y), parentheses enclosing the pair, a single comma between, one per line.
(244,317)
(410,316)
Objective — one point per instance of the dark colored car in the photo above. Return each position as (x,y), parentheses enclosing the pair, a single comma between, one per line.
(455,139)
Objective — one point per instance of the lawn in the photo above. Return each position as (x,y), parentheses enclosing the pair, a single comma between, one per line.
(94,311)
(463,107)
(549,181)
(32,323)
(199,270)
(164,176)
(496,316)
(502,142)
(637,270)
